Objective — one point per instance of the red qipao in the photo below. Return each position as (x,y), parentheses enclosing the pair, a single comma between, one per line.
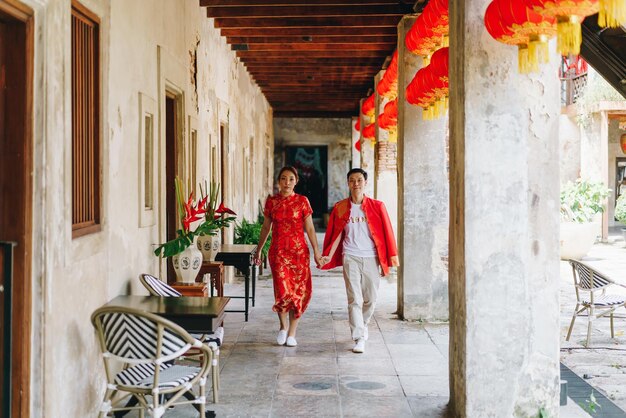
(379,226)
(289,253)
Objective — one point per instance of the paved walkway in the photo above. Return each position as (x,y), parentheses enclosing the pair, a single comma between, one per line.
(404,371)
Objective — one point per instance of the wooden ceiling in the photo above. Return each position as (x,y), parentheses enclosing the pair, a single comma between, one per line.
(313,58)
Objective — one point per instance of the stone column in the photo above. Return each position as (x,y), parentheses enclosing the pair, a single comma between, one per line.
(367,154)
(356,137)
(386,181)
(423,181)
(504,200)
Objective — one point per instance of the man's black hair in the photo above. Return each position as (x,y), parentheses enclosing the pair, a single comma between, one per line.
(357,170)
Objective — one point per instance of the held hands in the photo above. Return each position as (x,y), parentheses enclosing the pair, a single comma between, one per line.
(321,260)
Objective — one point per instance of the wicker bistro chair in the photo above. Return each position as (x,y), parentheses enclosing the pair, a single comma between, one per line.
(146,345)
(214,340)
(594,299)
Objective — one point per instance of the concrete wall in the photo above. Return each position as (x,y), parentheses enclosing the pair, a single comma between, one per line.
(334,133)
(145,46)
(569,145)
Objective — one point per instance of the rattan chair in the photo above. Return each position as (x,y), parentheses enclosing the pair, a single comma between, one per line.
(146,346)
(214,340)
(594,299)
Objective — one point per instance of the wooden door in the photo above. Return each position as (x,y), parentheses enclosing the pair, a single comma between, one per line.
(15,203)
(171,171)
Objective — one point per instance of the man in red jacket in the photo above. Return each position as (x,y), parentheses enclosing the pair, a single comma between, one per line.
(360,238)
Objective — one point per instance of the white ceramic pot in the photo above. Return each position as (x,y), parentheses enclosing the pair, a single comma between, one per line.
(209,245)
(577,239)
(187,264)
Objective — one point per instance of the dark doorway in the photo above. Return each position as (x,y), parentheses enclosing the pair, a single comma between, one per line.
(312,166)
(15,205)
(171,171)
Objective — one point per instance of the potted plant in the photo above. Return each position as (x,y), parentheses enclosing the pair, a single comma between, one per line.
(580,202)
(214,220)
(186,258)
(249,233)
(620,213)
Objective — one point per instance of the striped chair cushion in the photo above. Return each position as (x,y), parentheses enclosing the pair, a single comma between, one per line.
(135,337)
(142,375)
(158,288)
(604,300)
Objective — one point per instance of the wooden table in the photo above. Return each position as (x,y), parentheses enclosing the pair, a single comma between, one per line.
(241,256)
(194,314)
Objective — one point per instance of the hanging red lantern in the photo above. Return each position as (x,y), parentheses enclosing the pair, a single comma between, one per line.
(357,145)
(612,13)
(622,143)
(369,131)
(438,24)
(388,85)
(521,19)
(439,70)
(501,33)
(357,125)
(368,107)
(569,15)
(389,117)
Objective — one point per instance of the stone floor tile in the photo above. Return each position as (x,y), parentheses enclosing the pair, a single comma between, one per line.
(304,349)
(361,365)
(421,386)
(370,385)
(287,406)
(429,406)
(363,405)
(307,385)
(309,365)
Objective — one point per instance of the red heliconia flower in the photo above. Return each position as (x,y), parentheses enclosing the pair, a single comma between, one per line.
(193,212)
(224,209)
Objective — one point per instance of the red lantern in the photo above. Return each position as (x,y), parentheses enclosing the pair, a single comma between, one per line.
(357,125)
(357,145)
(368,106)
(569,15)
(438,24)
(369,131)
(388,85)
(389,118)
(622,143)
(501,33)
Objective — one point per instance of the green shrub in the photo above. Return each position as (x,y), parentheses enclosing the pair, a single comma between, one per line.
(620,209)
(580,201)
(249,233)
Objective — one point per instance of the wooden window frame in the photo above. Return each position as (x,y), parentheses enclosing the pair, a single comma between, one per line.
(148,169)
(91,199)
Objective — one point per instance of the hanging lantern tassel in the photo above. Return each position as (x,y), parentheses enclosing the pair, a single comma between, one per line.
(523,63)
(612,13)
(538,51)
(569,35)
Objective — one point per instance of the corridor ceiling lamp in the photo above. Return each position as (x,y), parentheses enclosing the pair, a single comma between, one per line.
(388,84)
(368,107)
(500,32)
(612,13)
(569,15)
(522,20)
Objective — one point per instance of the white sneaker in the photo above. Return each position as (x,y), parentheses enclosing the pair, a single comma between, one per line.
(359,347)
(291,342)
(282,337)
(366,333)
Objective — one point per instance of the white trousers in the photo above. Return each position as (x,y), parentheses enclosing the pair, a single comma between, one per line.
(362,278)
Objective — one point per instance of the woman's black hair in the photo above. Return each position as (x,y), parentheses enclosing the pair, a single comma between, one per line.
(291,169)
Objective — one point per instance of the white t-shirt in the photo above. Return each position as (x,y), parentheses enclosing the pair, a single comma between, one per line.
(358,238)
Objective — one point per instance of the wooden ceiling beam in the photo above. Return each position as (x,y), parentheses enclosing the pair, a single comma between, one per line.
(248,3)
(313,62)
(368,21)
(310,31)
(274,11)
(291,55)
(320,39)
(379,46)
(316,114)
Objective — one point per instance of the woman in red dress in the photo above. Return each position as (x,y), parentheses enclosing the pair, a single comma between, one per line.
(288,215)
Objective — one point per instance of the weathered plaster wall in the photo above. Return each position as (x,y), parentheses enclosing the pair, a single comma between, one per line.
(75,276)
(334,133)
(504,333)
(569,145)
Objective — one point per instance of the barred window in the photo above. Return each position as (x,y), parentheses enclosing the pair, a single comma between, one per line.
(85,121)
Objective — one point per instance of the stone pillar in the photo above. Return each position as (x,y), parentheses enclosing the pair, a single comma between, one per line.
(504,216)
(386,180)
(604,170)
(423,182)
(356,137)
(367,155)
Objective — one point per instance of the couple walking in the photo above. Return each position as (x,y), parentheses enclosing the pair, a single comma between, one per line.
(359,237)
